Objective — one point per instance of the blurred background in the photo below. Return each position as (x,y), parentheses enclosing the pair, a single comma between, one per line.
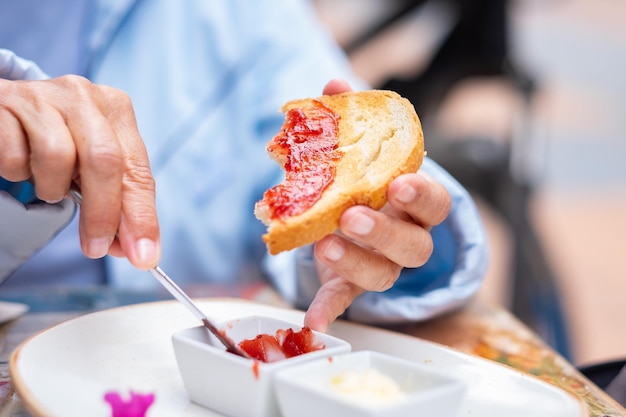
(523,101)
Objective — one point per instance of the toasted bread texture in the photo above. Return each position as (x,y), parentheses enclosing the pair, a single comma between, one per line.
(379,137)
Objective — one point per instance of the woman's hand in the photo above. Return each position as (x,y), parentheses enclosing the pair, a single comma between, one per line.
(373,246)
(57,131)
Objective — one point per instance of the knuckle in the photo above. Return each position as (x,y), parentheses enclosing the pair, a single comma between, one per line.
(382,238)
(140,177)
(75,82)
(117,101)
(386,280)
(14,157)
(85,92)
(14,166)
(141,185)
(443,208)
(52,151)
(421,253)
(143,217)
(437,206)
(123,101)
(80,87)
(104,156)
(374,272)
(71,94)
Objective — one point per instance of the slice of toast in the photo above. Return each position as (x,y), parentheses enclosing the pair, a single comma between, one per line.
(365,140)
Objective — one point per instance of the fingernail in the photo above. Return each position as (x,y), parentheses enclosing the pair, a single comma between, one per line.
(146,250)
(406,193)
(361,224)
(334,251)
(97,248)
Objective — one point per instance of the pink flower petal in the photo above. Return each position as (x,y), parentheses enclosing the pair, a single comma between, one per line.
(135,406)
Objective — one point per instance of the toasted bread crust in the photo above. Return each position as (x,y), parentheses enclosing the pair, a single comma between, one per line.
(380,136)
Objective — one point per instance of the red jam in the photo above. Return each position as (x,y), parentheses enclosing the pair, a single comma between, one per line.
(309,142)
(285,344)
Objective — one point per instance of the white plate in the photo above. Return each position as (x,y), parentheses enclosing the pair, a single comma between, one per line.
(65,371)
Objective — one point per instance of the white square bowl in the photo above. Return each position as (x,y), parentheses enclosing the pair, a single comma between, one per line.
(233,385)
(313,389)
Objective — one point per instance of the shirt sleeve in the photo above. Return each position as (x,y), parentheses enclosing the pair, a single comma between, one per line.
(450,278)
(12,67)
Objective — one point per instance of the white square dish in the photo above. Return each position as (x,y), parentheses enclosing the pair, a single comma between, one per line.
(230,384)
(367,383)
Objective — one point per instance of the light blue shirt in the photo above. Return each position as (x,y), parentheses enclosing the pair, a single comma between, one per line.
(207,80)
(49,32)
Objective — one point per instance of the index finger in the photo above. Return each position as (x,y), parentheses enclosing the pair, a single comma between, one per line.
(139,235)
(330,302)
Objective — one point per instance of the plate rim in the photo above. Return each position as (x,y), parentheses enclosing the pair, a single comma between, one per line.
(28,398)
